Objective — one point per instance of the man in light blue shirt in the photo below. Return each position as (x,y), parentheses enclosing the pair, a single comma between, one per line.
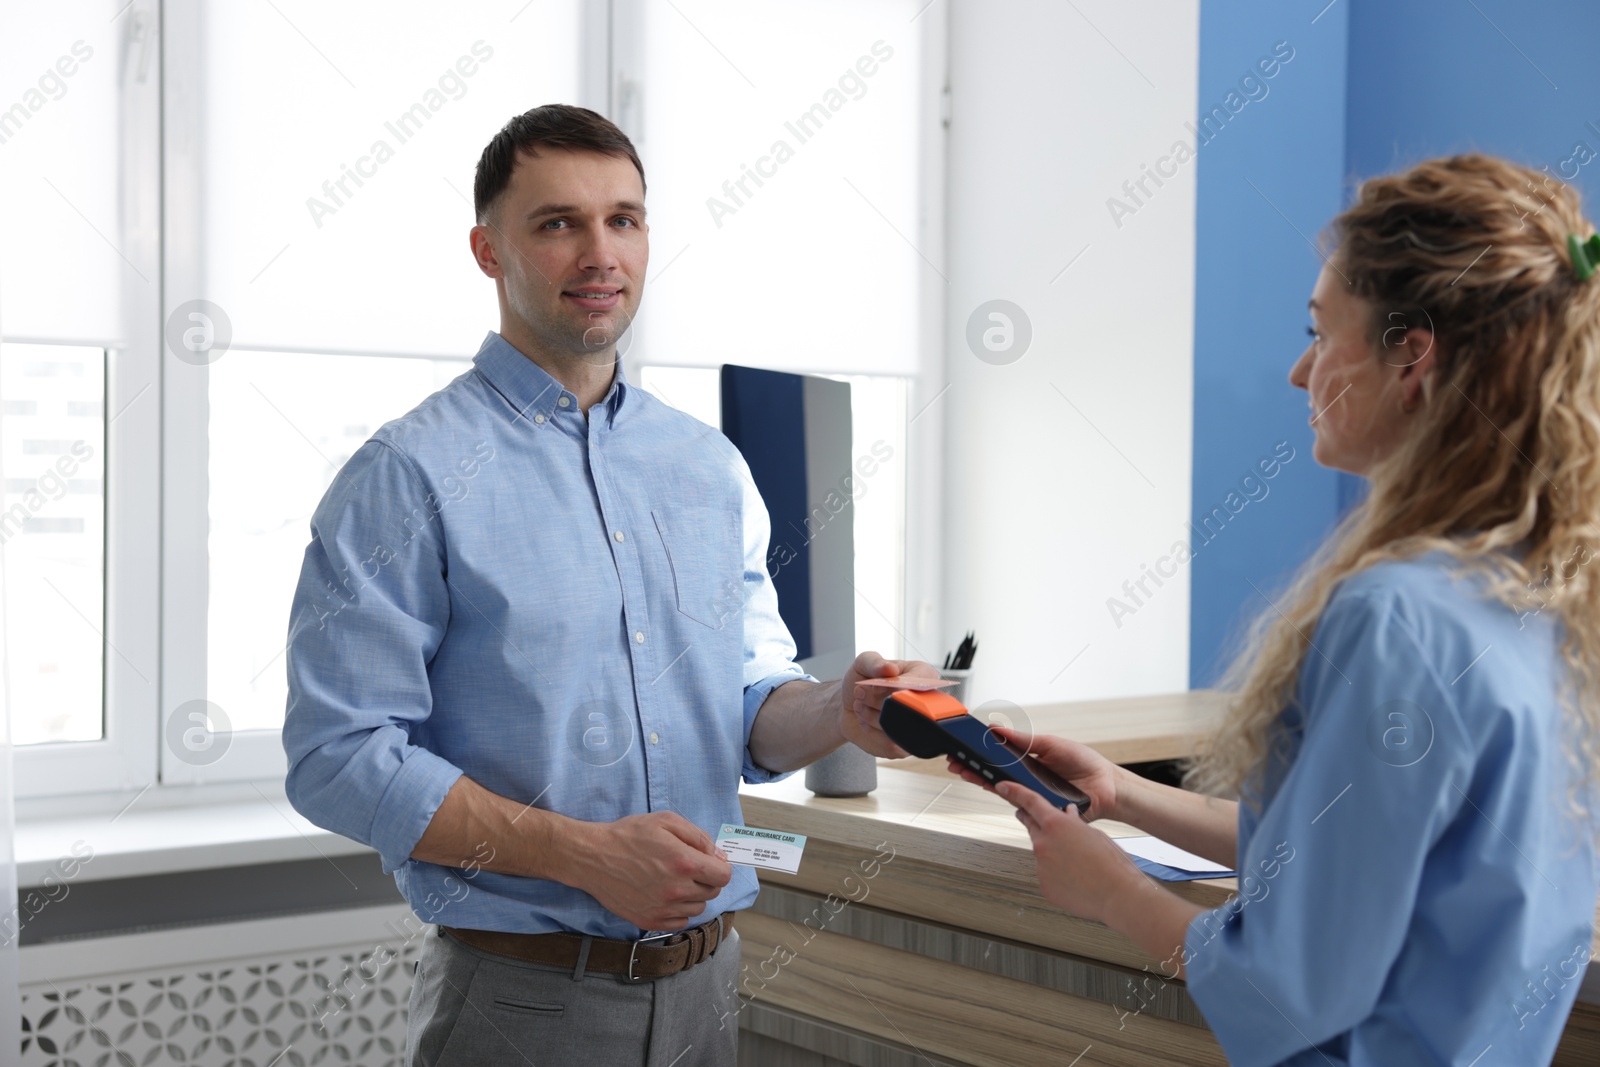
(534,648)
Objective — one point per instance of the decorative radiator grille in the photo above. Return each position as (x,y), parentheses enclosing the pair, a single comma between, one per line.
(291,1011)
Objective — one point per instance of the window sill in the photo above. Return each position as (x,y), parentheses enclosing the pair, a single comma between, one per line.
(163,840)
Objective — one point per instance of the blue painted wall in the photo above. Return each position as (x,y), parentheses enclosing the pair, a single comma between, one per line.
(1268,182)
(1436,77)
(1374,87)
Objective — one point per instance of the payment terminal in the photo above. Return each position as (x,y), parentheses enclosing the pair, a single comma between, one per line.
(928,723)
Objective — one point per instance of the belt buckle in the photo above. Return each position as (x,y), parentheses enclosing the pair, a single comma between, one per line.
(633,951)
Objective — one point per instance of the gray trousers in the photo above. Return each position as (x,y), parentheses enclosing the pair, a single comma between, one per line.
(472,1008)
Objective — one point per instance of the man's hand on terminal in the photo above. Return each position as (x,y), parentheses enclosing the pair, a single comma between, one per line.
(860,705)
(657,870)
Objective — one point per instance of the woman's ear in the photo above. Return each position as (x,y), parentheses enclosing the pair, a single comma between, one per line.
(1420,352)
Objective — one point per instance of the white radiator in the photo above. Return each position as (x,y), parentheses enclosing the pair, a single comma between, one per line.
(329,988)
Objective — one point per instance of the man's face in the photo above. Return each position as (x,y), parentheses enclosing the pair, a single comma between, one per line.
(568,243)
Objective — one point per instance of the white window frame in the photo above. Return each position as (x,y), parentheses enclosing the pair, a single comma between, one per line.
(185,462)
(125,757)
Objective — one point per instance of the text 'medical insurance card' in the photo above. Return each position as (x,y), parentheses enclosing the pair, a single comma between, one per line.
(761,848)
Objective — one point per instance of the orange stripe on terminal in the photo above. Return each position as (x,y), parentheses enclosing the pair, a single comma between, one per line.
(931,703)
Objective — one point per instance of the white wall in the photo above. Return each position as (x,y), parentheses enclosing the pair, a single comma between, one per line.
(1044,518)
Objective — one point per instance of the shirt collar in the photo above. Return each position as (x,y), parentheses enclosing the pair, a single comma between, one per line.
(531,389)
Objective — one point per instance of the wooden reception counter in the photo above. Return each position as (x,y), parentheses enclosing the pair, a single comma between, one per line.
(915,933)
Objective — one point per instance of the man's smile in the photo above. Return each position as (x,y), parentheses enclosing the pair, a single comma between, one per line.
(594,298)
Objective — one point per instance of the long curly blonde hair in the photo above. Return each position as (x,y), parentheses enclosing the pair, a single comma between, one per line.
(1500,467)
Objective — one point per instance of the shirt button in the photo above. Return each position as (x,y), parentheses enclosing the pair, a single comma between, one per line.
(638,636)
(655,738)
(538,420)
(618,535)
(565,401)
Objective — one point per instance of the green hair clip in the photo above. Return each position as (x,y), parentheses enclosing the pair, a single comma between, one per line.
(1585,255)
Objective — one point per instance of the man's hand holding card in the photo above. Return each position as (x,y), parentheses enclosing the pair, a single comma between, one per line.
(869,680)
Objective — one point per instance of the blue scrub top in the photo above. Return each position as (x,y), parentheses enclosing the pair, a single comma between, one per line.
(1414,889)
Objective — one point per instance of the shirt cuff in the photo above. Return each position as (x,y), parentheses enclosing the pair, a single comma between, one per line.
(754,696)
(409,805)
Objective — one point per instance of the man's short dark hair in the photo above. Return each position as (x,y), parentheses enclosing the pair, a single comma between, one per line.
(551,126)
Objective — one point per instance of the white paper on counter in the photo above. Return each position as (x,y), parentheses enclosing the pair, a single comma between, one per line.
(1158,851)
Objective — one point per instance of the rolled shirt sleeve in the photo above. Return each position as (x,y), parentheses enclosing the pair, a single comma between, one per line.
(768,646)
(1330,877)
(370,609)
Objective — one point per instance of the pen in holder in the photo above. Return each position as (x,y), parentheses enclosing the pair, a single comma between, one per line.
(847,772)
(958,667)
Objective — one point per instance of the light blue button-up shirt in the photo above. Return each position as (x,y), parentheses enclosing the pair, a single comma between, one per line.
(573,611)
(1414,890)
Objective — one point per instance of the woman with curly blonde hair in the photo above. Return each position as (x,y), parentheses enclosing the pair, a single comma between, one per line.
(1413,728)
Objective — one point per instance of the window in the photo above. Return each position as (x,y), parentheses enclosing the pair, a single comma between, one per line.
(244,250)
(782,144)
(79,399)
(52,527)
(334,208)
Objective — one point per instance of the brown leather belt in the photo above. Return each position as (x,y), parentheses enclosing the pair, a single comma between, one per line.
(648,957)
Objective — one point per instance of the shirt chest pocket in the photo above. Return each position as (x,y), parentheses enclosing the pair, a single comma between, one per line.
(705,553)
